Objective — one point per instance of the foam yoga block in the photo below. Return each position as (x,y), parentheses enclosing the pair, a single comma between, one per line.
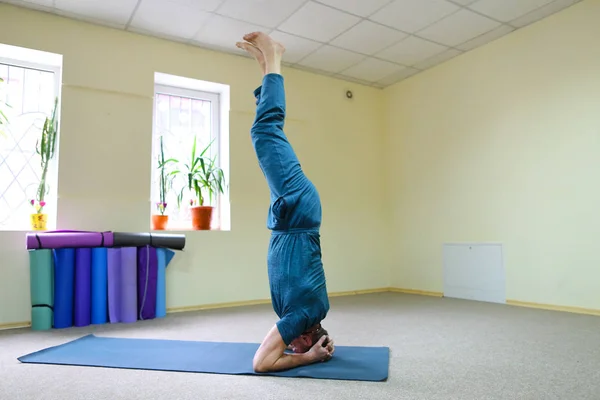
(146,286)
(129,284)
(64,287)
(113,264)
(41,269)
(83,287)
(99,286)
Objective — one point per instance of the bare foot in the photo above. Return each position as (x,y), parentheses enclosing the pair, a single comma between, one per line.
(272,50)
(256,53)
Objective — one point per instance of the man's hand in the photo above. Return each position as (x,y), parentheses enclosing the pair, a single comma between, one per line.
(321,351)
(271,354)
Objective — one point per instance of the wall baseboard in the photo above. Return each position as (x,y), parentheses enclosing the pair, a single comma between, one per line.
(550,307)
(264,301)
(516,303)
(418,292)
(15,325)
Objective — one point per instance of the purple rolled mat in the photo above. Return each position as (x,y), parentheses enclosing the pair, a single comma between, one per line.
(82,311)
(147,261)
(71,239)
(129,284)
(113,261)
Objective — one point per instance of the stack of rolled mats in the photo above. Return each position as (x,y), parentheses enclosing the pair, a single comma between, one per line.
(80,278)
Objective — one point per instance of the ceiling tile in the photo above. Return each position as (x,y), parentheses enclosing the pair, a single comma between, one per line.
(372,70)
(204,5)
(507,10)
(458,28)
(464,2)
(254,11)
(114,11)
(296,48)
(398,76)
(331,59)
(351,79)
(411,51)
(168,18)
(486,38)
(318,22)
(538,14)
(438,59)
(223,33)
(413,15)
(363,8)
(368,38)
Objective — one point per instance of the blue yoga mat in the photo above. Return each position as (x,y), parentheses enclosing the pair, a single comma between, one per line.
(64,287)
(99,285)
(164,257)
(348,363)
(82,309)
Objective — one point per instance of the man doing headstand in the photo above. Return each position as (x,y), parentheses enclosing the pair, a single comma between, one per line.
(295,269)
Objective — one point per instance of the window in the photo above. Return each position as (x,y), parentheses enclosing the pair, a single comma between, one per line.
(186,110)
(30,84)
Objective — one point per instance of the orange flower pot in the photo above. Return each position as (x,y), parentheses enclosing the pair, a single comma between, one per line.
(159,222)
(201,217)
(38,222)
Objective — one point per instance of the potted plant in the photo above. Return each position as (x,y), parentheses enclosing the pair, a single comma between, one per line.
(202,178)
(160,220)
(45,147)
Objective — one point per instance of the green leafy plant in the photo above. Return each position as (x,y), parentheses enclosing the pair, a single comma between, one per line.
(166,179)
(201,176)
(45,147)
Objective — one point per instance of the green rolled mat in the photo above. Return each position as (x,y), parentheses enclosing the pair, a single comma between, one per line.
(41,278)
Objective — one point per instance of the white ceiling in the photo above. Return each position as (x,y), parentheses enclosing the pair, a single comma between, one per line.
(375,42)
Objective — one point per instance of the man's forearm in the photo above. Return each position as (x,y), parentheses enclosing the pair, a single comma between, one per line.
(289,361)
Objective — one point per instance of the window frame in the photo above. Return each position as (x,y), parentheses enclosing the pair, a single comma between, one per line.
(215,99)
(52,210)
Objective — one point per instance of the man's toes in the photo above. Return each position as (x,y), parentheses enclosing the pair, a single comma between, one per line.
(249,48)
(250,37)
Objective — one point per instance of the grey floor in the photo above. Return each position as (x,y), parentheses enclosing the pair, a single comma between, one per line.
(441,349)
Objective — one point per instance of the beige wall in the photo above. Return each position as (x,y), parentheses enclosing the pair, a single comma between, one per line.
(107,115)
(502,145)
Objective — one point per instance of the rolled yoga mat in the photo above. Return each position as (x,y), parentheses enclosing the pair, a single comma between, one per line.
(348,363)
(64,239)
(166,240)
(113,266)
(129,267)
(147,270)
(99,285)
(41,280)
(83,287)
(163,257)
(64,287)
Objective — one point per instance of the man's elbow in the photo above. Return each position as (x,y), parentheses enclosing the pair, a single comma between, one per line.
(260,367)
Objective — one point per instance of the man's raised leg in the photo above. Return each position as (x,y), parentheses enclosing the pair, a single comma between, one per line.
(275,154)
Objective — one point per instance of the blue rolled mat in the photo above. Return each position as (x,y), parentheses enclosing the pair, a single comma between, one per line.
(146,287)
(164,257)
(83,287)
(41,281)
(64,287)
(113,266)
(129,284)
(99,285)
(348,363)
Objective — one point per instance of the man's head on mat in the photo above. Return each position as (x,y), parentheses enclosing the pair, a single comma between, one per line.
(305,342)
